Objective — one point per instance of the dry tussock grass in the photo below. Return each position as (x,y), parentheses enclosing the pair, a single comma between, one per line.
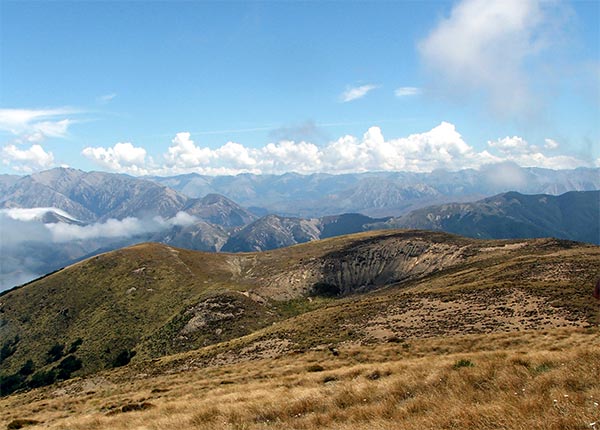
(533,380)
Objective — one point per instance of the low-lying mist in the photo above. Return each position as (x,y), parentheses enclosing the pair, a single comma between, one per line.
(31,247)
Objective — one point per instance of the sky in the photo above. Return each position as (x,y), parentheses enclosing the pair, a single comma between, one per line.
(167,88)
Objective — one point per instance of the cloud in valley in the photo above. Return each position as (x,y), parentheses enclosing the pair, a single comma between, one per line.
(113,228)
(28,245)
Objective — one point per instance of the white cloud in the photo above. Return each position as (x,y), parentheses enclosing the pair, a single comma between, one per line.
(482,48)
(510,145)
(183,153)
(27,160)
(123,157)
(518,150)
(407,91)
(113,228)
(356,92)
(33,214)
(551,144)
(440,147)
(34,125)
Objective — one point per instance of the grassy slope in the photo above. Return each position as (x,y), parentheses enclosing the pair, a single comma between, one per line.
(523,380)
(491,287)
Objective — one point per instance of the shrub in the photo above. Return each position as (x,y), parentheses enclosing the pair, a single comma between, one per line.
(42,378)
(543,368)
(10,383)
(67,366)
(27,368)
(75,345)
(8,348)
(55,353)
(463,363)
(123,358)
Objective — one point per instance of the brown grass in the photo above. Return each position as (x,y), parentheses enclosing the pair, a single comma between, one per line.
(527,380)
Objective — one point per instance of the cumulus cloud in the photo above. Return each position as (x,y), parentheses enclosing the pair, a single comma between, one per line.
(483,46)
(441,147)
(355,93)
(122,157)
(407,91)
(27,160)
(551,144)
(511,145)
(184,153)
(518,150)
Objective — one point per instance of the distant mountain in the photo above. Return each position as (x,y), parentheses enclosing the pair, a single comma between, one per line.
(93,196)
(219,210)
(380,193)
(38,211)
(98,196)
(79,204)
(273,231)
(573,215)
(200,236)
(7,181)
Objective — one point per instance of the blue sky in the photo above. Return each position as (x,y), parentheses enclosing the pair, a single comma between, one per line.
(267,87)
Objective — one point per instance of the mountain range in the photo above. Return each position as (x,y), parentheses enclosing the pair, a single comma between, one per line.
(78,214)
(378,194)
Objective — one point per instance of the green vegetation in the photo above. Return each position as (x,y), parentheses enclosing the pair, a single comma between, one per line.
(463,363)
(55,353)
(9,347)
(389,287)
(123,358)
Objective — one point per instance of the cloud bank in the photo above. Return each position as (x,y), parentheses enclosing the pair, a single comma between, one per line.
(30,248)
(442,147)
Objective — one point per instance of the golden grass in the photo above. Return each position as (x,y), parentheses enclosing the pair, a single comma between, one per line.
(526,380)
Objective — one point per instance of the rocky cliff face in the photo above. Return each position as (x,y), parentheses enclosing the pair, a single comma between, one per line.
(363,266)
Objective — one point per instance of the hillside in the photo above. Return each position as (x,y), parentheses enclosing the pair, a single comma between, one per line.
(151,300)
(573,215)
